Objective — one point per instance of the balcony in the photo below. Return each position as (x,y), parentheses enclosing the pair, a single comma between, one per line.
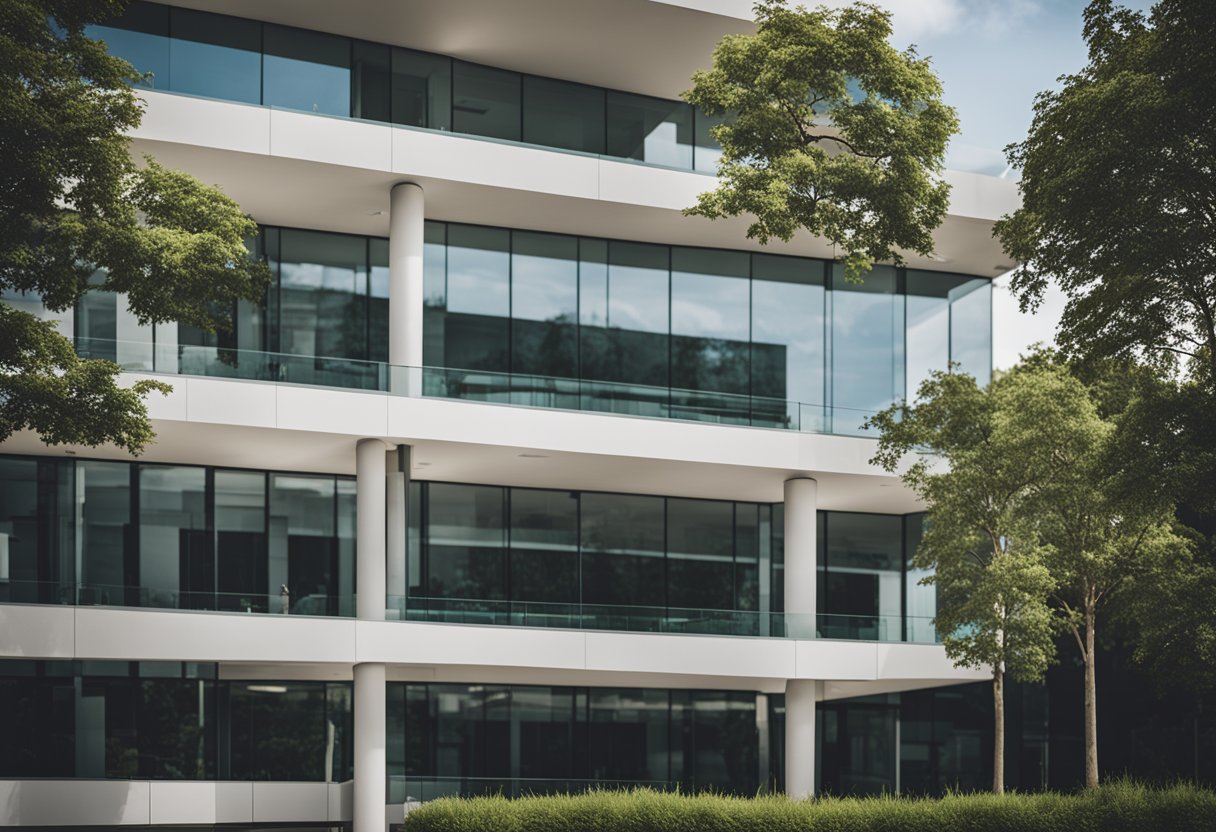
(519,389)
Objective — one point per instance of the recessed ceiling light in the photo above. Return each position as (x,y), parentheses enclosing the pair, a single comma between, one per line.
(533,456)
(266,688)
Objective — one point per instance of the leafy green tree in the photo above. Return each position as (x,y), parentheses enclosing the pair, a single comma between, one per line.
(1119,189)
(977,456)
(1100,541)
(72,201)
(827,128)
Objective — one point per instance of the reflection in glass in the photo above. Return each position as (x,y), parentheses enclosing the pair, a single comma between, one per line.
(304,70)
(466,542)
(867,346)
(787,335)
(478,301)
(622,538)
(625,331)
(422,89)
(140,36)
(303,546)
(971,329)
(563,114)
(926,327)
(322,296)
(544,545)
(707,149)
(710,299)
(240,539)
(371,81)
(627,734)
(700,554)
(648,129)
(544,304)
(215,55)
(105,527)
(176,554)
(864,563)
(485,101)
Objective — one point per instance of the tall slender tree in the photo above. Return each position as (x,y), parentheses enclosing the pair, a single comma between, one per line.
(976,465)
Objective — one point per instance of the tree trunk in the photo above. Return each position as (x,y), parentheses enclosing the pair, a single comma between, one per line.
(1091,703)
(998,731)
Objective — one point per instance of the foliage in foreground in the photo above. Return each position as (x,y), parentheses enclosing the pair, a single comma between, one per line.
(1122,806)
(77,215)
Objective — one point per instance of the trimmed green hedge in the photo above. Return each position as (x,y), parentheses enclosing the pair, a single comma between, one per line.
(1113,808)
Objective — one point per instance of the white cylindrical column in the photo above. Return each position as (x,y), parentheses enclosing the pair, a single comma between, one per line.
(800,698)
(369,541)
(370,766)
(405,295)
(396,535)
(801,555)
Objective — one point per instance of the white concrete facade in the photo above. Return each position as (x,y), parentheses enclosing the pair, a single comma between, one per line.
(303,170)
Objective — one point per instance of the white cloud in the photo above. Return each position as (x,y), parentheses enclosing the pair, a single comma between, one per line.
(918,20)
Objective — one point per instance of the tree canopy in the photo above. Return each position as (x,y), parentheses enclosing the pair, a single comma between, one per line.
(828,128)
(74,204)
(977,457)
(1119,189)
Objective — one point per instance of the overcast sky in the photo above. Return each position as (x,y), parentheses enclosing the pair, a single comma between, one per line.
(993,56)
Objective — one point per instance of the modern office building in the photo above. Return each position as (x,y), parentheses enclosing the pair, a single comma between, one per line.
(517,480)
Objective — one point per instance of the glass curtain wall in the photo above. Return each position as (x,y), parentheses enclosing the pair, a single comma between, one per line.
(175,536)
(554,320)
(169,721)
(613,561)
(467,739)
(233,59)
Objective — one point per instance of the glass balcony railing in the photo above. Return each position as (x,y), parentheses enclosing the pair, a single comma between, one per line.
(603,617)
(112,595)
(646,619)
(481,386)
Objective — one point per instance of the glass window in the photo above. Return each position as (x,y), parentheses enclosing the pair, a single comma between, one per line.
(971,329)
(707,151)
(629,343)
(422,89)
(622,539)
(927,326)
(748,518)
(305,70)
(628,735)
(710,325)
(105,524)
(860,746)
(921,600)
(176,556)
(19,529)
(471,726)
(435,294)
(563,114)
(377,313)
(867,347)
(544,546)
(476,328)
(215,55)
(240,541)
(37,721)
(700,554)
(721,741)
(864,562)
(303,566)
(278,730)
(96,321)
(466,542)
(371,81)
(787,339)
(544,304)
(322,299)
(140,36)
(648,129)
(543,720)
(485,101)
